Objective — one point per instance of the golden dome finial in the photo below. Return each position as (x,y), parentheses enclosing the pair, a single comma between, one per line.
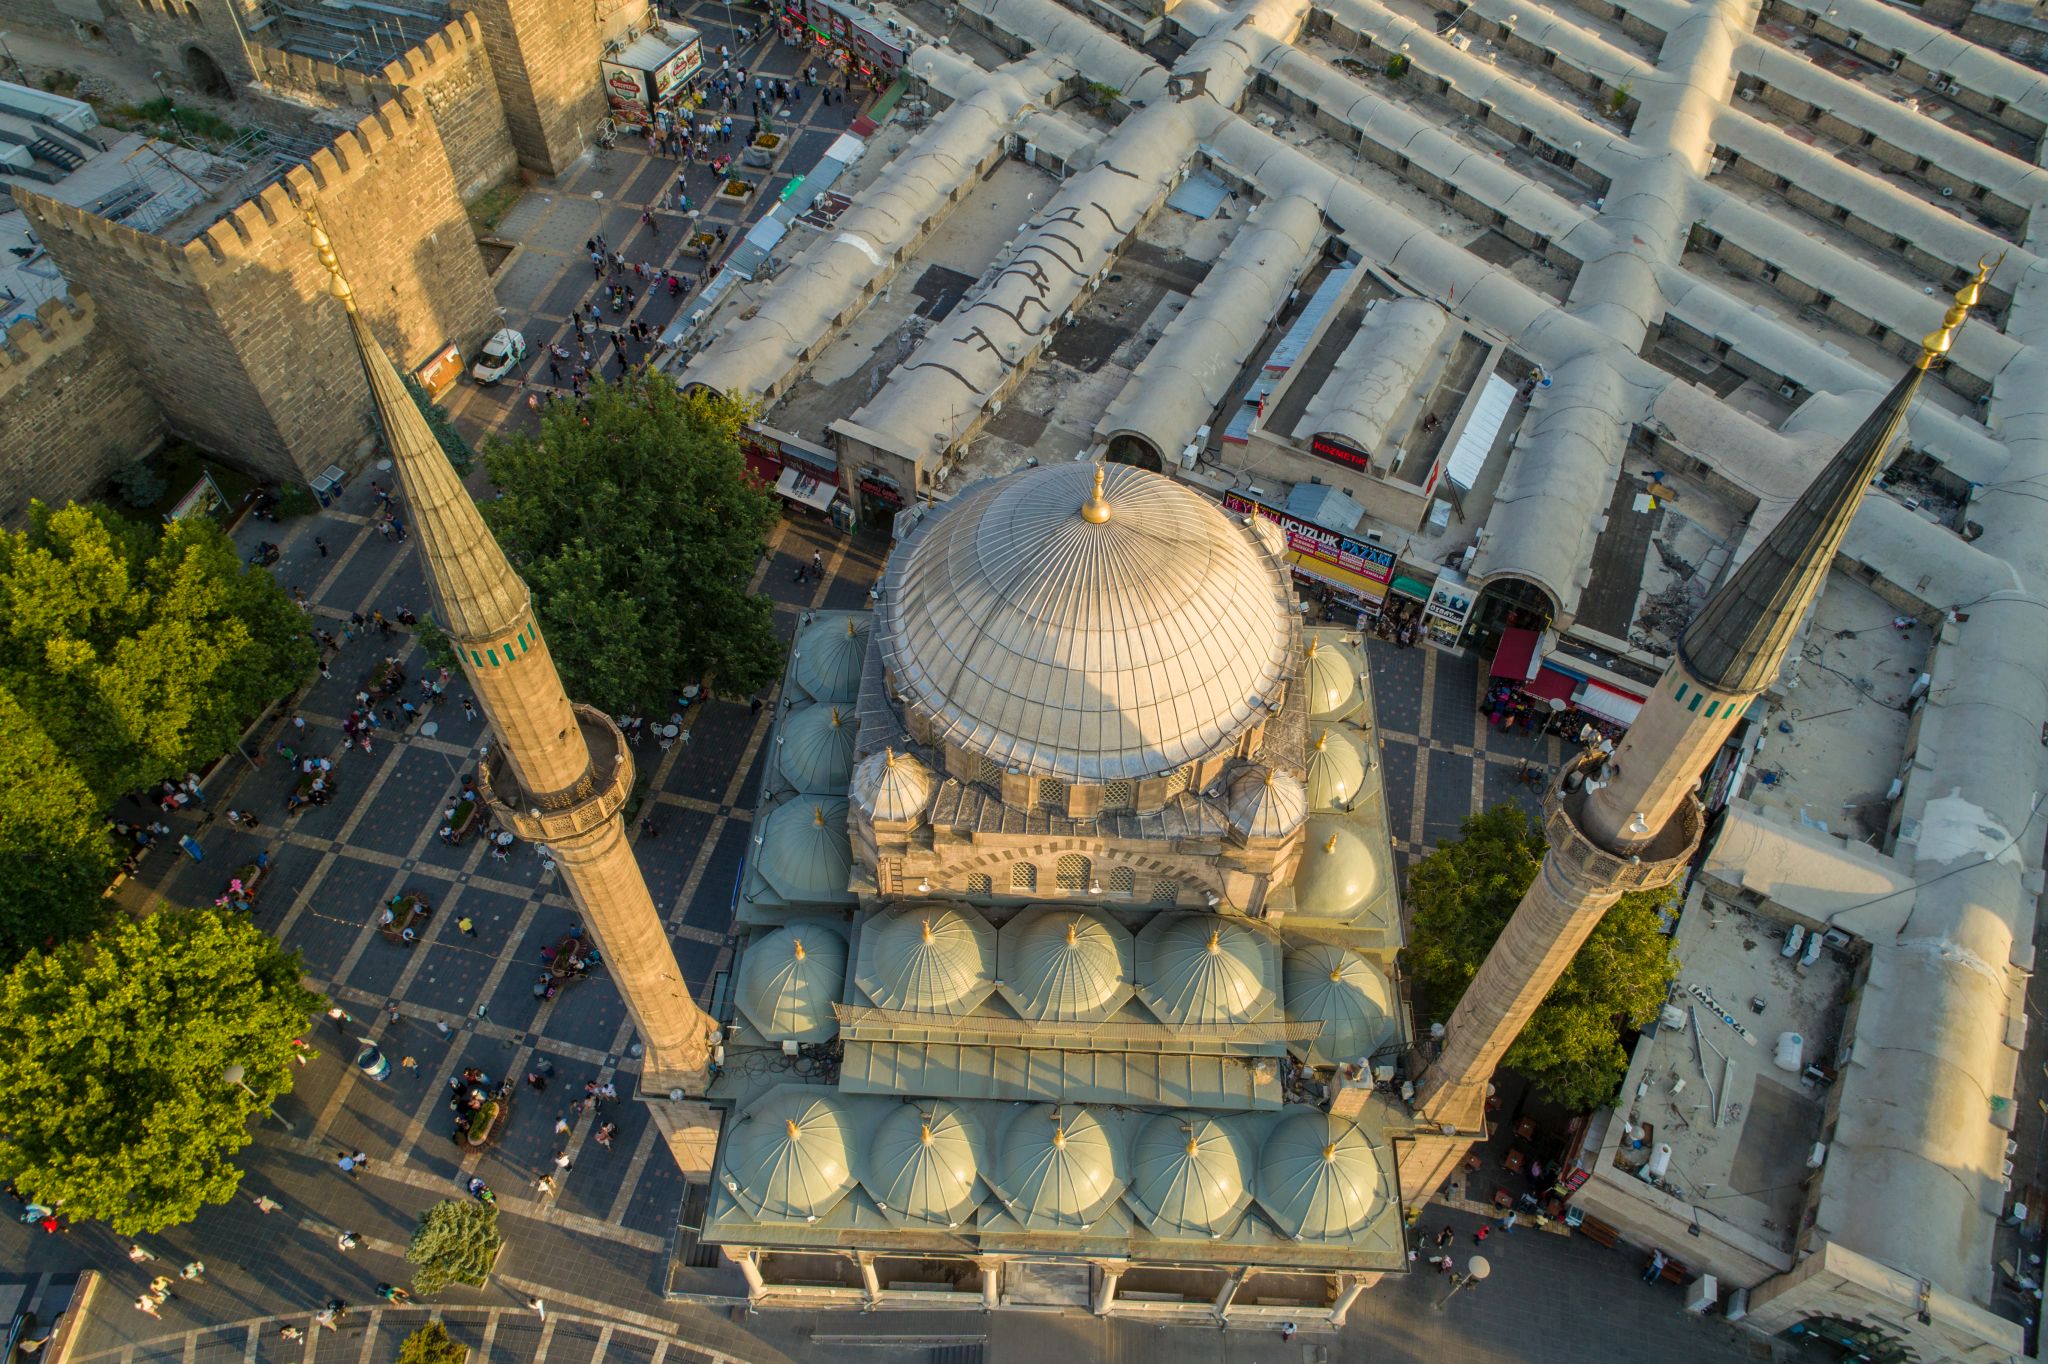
(1315,646)
(795,1132)
(924,1134)
(796,950)
(1336,973)
(1194,1147)
(889,756)
(929,936)
(1059,1138)
(851,631)
(323,247)
(1073,933)
(818,815)
(1215,942)
(1095,510)
(835,717)
(1322,741)
(1330,1151)
(1331,846)
(1937,342)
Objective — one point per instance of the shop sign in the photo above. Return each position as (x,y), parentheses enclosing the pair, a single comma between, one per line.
(881,491)
(626,86)
(1311,541)
(674,73)
(439,374)
(1329,447)
(1450,601)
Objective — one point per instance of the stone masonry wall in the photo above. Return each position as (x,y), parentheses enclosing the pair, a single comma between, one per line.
(72,409)
(168,29)
(544,56)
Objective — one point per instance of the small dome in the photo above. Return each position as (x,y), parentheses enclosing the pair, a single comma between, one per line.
(816,749)
(1065,965)
(1337,874)
(1060,1168)
(789,980)
(1348,995)
(892,786)
(927,958)
(829,655)
(1331,676)
(922,1165)
(1270,535)
(1336,769)
(787,1158)
(1319,1177)
(802,849)
(1203,970)
(1266,804)
(1189,1176)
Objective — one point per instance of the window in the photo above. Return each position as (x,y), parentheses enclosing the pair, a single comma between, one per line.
(979,883)
(1071,873)
(1024,878)
(1177,782)
(1120,795)
(1165,892)
(989,772)
(1122,881)
(1052,795)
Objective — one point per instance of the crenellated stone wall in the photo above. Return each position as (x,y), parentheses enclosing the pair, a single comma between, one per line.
(72,409)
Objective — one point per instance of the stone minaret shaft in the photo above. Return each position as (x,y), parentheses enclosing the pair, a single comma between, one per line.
(1632,821)
(562,772)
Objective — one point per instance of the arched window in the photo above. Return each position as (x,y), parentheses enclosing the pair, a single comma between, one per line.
(1165,892)
(1052,795)
(1122,881)
(1071,873)
(1119,795)
(979,883)
(1023,878)
(1179,781)
(989,772)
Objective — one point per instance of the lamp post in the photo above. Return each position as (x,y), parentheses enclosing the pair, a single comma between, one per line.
(1476,1269)
(170,105)
(12,60)
(236,1075)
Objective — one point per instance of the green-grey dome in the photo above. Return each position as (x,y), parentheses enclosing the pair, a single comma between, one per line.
(1336,768)
(1319,1177)
(1337,873)
(1263,803)
(927,958)
(1204,970)
(789,1156)
(1190,1176)
(891,786)
(815,749)
(923,1164)
(789,980)
(1060,1168)
(829,656)
(1065,965)
(1348,995)
(802,849)
(1330,674)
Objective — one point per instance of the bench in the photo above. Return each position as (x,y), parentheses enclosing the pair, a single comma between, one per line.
(1599,1232)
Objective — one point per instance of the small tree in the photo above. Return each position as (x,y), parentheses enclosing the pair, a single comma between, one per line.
(432,1344)
(435,644)
(456,1241)
(1461,897)
(443,426)
(114,1062)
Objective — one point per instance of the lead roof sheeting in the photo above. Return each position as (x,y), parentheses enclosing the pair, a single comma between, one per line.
(1488,416)
(1010,1073)
(1319,304)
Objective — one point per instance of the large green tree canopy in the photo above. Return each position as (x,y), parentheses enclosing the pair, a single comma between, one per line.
(140,653)
(114,1054)
(55,856)
(635,523)
(1461,897)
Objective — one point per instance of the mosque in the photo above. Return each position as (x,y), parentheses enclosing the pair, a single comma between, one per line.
(1069,911)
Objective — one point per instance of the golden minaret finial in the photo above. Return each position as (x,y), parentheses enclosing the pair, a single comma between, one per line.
(1095,510)
(323,246)
(1936,343)
(797,950)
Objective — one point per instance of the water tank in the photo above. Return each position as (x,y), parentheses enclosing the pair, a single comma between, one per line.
(1790,1053)
(1660,1162)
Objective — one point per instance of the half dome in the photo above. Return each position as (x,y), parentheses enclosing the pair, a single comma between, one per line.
(891,786)
(1336,768)
(1330,674)
(1065,965)
(1204,970)
(1319,1177)
(1060,1170)
(927,958)
(923,1164)
(1337,873)
(1117,645)
(1190,1176)
(815,749)
(1348,995)
(802,849)
(788,1157)
(1263,803)
(829,656)
(789,980)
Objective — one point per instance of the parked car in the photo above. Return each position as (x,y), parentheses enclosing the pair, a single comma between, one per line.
(501,353)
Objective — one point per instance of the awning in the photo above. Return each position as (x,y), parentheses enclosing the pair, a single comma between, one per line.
(1343,579)
(1411,587)
(798,486)
(1551,685)
(1608,704)
(1515,659)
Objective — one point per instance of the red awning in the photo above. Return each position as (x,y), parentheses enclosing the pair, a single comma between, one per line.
(1515,659)
(1551,685)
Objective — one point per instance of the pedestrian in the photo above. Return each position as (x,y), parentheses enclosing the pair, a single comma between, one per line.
(346,1241)
(292,1333)
(1287,1329)
(194,1271)
(561,1160)
(468,709)
(1507,1224)
(348,1167)
(139,1255)
(818,565)
(320,545)
(1479,1236)
(1445,1237)
(299,724)
(467,925)
(561,1126)
(1658,1260)
(148,1305)
(544,1186)
(538,1081)
(268,1204)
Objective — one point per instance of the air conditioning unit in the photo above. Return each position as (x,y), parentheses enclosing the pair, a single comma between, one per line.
(1788,391)
(1892,64)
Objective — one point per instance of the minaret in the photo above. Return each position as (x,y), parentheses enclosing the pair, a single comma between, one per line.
(561,772)
(1632,821)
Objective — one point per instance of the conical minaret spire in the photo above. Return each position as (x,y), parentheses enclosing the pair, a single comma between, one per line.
(1632,821)
(562,773)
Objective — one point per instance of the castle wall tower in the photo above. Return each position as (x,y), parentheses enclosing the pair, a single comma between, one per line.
(544,55)
(563,772)
(1632,821)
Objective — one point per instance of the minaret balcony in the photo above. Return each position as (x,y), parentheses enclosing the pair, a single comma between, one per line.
(553,816)
(1657,863)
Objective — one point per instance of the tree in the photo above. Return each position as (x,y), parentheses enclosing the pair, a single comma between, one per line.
(114,1057)
(141,652)
(432,1344)
(55,856)
(635,523)
(456,1242)
(1461,897)
(443,426)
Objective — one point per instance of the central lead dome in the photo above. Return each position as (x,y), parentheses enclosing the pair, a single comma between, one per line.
(1087,640)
